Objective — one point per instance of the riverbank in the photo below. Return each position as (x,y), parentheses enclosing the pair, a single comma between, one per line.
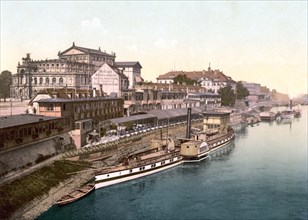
(30,196)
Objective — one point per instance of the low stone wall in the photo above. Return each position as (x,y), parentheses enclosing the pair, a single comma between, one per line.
(25,156)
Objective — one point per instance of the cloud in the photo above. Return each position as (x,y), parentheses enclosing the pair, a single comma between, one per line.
(161,43)
(95,23)
(133,48)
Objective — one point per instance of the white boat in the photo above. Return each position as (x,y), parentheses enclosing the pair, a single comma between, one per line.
(267,116)
(204,144)
(288,114)
(143,166)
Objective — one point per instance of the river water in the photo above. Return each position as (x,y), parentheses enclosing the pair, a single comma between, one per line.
(263,176)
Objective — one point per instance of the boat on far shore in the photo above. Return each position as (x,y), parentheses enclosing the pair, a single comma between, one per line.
(267,116)
(76,194)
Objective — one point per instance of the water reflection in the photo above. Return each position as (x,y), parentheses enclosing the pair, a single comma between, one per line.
(241,133)
(223,154)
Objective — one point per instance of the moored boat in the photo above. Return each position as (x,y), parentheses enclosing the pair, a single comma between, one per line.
(267,116)
(76,194)
(216,135)
(142,166)
(203,145)
(288,114)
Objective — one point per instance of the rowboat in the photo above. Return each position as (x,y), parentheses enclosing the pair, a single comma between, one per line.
(76,194)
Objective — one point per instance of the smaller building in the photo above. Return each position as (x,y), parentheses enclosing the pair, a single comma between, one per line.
(81,130)
(132,70)
(98,109)
(214,120)
(17,130)
(206,100)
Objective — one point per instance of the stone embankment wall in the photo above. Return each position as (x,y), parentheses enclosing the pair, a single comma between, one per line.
(18,158)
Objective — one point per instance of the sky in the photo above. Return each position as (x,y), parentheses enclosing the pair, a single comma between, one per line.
(255,41)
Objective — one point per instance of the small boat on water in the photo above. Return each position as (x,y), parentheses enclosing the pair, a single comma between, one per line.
(287,114)
(267,116)
(76,194)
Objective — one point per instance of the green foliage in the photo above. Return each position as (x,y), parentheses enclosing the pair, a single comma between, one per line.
(103,131)
(128,125)
(16,194)
(227,96)
(113,127)
(183,79)
(241,91)
(5,82)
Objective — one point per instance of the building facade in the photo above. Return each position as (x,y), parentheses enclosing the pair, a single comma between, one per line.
(72,69)
(159,96)
(17,130)
(211,80)
(109,80)
(132,70)
(98,109)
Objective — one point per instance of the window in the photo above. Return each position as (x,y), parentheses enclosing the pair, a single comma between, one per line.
(47,81)
(50,107)
(54,81)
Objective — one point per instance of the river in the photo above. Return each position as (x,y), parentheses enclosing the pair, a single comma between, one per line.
(263,176)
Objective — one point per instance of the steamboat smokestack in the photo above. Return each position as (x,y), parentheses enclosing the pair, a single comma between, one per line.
(188,123)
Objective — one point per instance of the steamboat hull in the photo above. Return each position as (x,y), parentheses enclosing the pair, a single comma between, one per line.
(111,178)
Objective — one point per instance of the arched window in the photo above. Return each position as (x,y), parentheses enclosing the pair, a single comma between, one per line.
(41,80)
(47,81)
(35,80)
(54,81)
(61,81)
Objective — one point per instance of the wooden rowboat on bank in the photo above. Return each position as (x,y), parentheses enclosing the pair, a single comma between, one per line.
(75,195)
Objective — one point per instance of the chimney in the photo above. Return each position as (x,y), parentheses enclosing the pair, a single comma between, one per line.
(188,123)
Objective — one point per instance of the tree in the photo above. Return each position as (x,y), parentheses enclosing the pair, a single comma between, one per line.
(227,96)
(241,91)
(182,78)
(5,82)
(128,125)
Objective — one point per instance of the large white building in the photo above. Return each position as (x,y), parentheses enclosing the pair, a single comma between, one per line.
(109,80)
(73,69)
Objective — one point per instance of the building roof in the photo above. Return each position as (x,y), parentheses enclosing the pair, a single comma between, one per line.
(215,75)
(23,119)
(132,118)
(128,64)
(87,51)
(57,100)
(173,113)
(204,94)
(212,113)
